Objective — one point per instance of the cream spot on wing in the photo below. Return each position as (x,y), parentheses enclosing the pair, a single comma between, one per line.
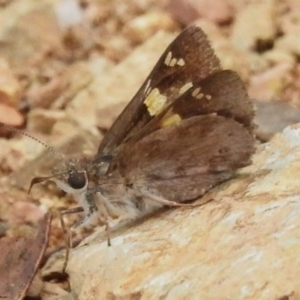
(181,62)
(168,58)
(185,87)
(155,102)
(173,62)
(171,120)
(196,91)
(199,96)
(147,87)
(196,94)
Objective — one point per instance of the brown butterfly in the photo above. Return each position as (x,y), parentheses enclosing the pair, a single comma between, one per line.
(187,129)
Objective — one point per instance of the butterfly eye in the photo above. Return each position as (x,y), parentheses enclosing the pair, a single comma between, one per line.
(77,180)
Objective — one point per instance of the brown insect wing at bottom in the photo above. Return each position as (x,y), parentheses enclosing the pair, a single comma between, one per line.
(183,161)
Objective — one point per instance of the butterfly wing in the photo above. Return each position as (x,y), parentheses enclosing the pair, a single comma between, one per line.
(189,58)
(184,160)
(201,139)
(187,129)
(222,93)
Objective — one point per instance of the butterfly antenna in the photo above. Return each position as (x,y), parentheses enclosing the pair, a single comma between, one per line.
(12,129)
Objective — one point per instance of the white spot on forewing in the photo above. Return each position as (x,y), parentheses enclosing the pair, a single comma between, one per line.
(196,94)
(199,96)
(196,91)
(180,62)
(155,102)
(185,87)
(173,62)
(175,118)
(168,58)
(147,87)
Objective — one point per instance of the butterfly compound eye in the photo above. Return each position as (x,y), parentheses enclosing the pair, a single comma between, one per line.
(77,180)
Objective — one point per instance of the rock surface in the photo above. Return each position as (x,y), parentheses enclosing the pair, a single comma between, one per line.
(243,245)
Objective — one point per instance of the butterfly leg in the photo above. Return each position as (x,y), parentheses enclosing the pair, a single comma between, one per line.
(67,233)
(166,202)
(88,219)
(104,217)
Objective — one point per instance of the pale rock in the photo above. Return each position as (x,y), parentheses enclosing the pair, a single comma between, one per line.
(143,27)
(116,47)
(24,211)
(269,84)
(289,42)
(244,244)
(43,120)
(79,76)
(69,13)
(233,59)
(213,32)
(273,116)
(215,11)
(62,88)
(16,152)
(257,63)
(63,127)
(27,29)
(288,16)
(44,96)
(278,56)
(243,62)
(254,22)
(10,115)
(83,102)
(117,85)
(10,88)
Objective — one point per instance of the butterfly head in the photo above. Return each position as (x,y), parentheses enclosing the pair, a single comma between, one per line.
(71,177)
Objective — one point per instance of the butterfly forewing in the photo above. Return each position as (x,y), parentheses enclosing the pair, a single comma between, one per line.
(189,58)
(222,93)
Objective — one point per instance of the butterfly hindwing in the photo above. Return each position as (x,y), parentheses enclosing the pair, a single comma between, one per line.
(184,160)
